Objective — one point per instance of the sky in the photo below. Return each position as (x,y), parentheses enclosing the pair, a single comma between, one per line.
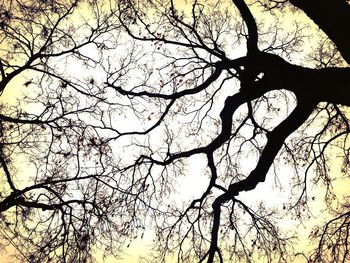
(263,191)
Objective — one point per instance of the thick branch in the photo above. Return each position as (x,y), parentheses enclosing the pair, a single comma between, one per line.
(175,95)
(2,72)
(333,17)
(12,201)
(23,121)
(321,85)
(252,42)
(7,172)
(275,141)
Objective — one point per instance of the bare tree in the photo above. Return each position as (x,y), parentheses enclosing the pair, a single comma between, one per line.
(50,132)
(162,88)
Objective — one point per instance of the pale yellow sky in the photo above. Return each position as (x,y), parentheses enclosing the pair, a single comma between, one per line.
(139,248)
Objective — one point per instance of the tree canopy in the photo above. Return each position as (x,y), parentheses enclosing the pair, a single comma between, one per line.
(120,118)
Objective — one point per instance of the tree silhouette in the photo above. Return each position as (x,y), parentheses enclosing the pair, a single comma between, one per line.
(123,100)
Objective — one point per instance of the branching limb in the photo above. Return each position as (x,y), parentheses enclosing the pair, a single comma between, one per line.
(175,95)
(275,141)
(252,41)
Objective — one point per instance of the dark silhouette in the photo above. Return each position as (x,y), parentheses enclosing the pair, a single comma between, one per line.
(127,93)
